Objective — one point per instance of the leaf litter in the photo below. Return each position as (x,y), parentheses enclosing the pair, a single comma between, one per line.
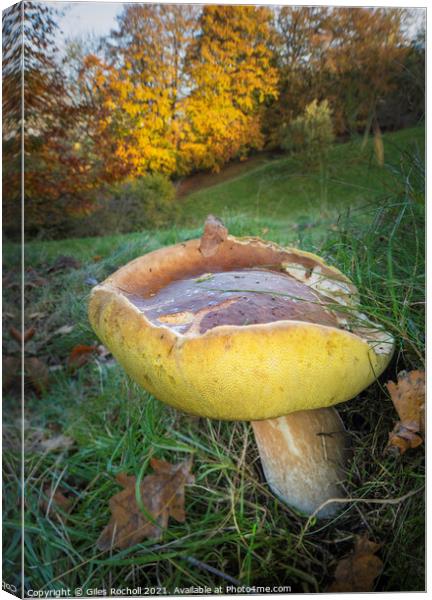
(408,397)
(81,355)
(358,571)
(162,495)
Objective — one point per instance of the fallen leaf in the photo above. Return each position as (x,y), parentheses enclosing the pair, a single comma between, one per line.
(16,334)
(162,495)
(19,337)
(408,397)
(55,503)
(97,258)
(358,571)
(28,334)
(37,372)
(80,355)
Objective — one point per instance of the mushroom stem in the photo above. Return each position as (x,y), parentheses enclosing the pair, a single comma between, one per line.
(303,456)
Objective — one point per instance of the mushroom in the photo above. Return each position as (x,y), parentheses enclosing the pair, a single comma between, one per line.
(244,329)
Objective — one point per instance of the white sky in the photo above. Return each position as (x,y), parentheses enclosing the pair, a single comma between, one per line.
(81,18)
(98,17)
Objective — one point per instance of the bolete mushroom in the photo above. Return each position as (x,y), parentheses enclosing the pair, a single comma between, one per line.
(243,329)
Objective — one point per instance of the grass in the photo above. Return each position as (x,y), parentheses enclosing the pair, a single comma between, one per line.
(287,189)
(235,528)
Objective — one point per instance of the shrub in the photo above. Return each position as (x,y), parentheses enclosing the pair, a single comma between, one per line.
(310,134)
(147,202)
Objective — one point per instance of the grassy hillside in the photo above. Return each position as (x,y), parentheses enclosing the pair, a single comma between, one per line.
(284,189)
(279,199)
(235,528)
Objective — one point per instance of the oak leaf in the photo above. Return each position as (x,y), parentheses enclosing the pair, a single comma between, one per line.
(80,355)
(358,571)
(408,397)
(162,496)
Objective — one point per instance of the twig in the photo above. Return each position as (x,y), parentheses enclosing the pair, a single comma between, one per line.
(352,500)
(197,563)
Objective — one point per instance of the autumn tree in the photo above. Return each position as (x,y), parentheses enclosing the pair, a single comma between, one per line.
(142,86)
(89,152)
(364,50)
(55,178)
(299,62)
(348,56)
(33,89)
(405,105)
(231,75)
(12,117)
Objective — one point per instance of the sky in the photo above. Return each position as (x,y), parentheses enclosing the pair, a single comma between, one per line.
(81,18)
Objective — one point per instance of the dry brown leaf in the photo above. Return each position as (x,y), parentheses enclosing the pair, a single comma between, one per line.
(408,397)
(19,337)
(56,503)
(28,334)
(358,571)
(80,355)
(16,334)
(37,372)
(162,495)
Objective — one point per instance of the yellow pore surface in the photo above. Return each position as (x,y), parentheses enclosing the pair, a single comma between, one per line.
(237,373)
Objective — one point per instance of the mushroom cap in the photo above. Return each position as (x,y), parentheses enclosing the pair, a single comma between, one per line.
(236,370)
